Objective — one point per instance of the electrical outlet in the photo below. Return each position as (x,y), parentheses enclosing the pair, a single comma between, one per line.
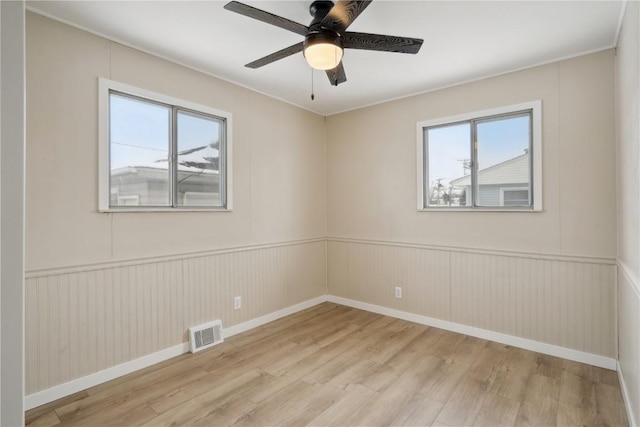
(398,291)
(237,303)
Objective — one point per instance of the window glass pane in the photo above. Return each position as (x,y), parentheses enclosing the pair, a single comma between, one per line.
(516,197)
(139,142)
(503,159)
(448,152)
(199,139)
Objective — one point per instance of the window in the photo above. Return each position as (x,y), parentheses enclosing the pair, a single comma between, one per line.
(161,153)
(488,160)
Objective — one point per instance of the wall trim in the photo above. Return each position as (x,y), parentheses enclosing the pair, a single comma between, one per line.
(623,11)
(259,321)
(625,396)
(91,380)
(101,265)
(325,114)
(83,383)
(527,344)
(631,277)
(499,252)
(176,61)
(43,272)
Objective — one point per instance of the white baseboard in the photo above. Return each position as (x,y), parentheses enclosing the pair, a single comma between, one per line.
(258,321)
(79,384)
(553,350)
(626,397)
(74,386)
(83,383)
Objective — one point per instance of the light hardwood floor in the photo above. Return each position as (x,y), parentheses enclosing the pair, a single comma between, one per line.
(334,365)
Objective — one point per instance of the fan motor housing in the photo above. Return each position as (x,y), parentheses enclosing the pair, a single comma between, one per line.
(319,10)
(322,37)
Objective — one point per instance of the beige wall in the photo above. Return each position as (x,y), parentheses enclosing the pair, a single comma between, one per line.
(106,288)
(278,159)
(628,166)
(547,277)
(371,166)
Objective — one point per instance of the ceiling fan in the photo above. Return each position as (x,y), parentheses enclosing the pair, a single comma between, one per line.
(326,37)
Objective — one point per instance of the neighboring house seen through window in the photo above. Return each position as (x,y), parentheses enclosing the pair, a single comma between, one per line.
(158,152)
(484,160)
(514,196)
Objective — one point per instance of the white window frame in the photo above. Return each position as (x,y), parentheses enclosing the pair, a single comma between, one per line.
(105,86)
(536,156)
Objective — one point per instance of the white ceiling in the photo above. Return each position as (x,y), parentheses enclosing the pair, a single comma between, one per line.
(463,41)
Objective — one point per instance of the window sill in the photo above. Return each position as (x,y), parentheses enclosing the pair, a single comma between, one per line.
(162,210)
(519,210)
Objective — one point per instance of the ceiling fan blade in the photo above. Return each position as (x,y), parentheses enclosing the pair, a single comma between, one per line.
(381,42)
(337,75)
(267,17)
(343,14)
(287,51)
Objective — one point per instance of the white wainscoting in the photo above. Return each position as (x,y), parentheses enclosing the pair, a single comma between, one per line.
(89,324)
(537,346)
(629,345)
(83,320)
(560,301)
(83,383)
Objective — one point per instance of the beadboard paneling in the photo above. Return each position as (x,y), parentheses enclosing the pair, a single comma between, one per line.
(86,320)
(629,330)
(568,302)
(369,273)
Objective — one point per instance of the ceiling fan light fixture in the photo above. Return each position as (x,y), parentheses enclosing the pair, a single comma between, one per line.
(326,37)
(323,51)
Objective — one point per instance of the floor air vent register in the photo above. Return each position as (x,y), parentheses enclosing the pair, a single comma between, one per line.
(204,336)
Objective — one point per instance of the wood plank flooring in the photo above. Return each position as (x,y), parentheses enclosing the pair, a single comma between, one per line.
(332,365)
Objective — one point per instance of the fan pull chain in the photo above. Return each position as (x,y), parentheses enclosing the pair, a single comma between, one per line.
(336,74)
(312,95)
